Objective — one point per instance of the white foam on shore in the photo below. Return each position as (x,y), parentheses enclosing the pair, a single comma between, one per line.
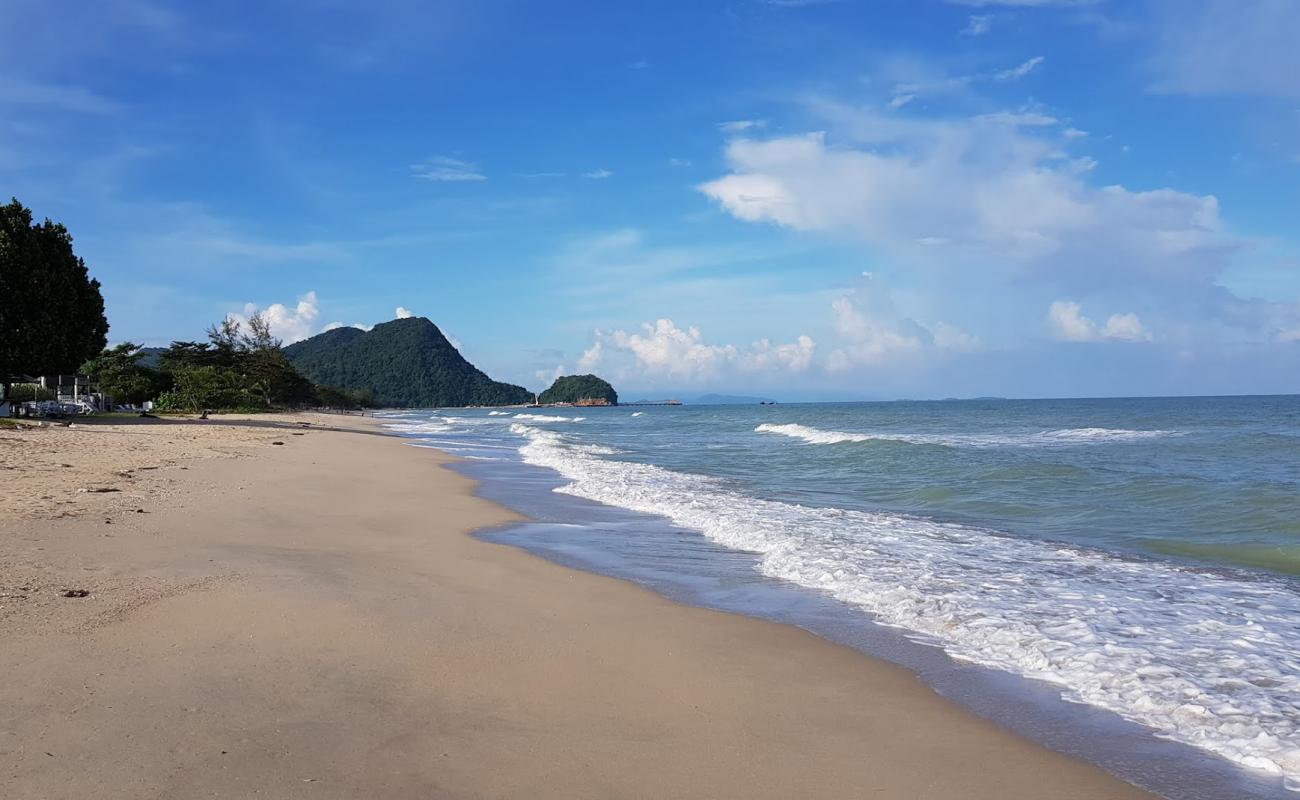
(1202,658)
(547,418)
(1066,436)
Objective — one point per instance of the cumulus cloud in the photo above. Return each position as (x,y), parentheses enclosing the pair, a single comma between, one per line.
(663,351)
(361,326)
(991,190)
(874,337)
(446,169)
(290,324)
(402,313)
(1067,323)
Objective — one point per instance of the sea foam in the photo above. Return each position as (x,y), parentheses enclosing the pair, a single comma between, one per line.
(1203,658)
(1066,436)
(548,418)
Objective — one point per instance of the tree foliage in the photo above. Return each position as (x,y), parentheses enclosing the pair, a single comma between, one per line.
(403,363)
(582,389)
(119,373)
(51,310)
(240,366)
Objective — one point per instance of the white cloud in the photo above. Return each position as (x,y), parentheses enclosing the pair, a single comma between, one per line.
(866,341)
(661,351)
(1021,70)
(741,125)
(679,162)
(911,79)
(337,324)
(447,169)
(1068,323)
(402,313)
(290,324)
(881,337)
(597,174)
(996,191)
(978,25)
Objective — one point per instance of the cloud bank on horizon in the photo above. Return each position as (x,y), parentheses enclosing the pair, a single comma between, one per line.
(819,199)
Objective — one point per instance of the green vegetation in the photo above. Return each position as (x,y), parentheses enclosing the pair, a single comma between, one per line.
(404,363)
(587,390)
(119,373)
(51,310)
(238,368)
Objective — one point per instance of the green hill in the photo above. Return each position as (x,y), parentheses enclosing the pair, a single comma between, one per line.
(580,390)
(406,363)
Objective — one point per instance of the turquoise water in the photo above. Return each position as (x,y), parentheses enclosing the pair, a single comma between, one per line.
(1136,554)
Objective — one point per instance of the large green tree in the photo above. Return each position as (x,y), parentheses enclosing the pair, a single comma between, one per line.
(51,310)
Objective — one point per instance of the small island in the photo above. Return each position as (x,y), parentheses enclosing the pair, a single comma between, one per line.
(579,390)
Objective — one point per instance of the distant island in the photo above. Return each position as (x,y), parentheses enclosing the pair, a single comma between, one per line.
(732,400)
(579,390)
(405,363)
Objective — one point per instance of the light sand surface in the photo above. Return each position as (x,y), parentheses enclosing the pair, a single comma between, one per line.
(310,620)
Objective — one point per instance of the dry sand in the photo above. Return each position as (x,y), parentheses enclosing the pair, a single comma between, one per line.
(311,620)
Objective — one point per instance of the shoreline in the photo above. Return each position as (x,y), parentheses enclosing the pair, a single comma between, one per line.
(262,643)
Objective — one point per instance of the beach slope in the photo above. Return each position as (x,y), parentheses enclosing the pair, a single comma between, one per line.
(280,609)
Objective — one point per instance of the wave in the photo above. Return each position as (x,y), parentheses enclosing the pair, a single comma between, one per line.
(1203,658)
(637,413)
(1065,436)
(498,413)
(547,418)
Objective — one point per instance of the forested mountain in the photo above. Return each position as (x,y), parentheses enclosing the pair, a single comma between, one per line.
(580,390)
(405,363)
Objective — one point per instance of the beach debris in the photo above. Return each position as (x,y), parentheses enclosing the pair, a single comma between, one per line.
(98,489)
(140,511)
(277,442)
(108,522)
(75,593)
(297,433)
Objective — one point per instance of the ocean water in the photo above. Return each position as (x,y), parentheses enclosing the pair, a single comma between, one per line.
(1137,557)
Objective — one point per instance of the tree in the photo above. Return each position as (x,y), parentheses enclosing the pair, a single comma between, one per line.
(51,310)
(199,388)
(118,372)
(238,367)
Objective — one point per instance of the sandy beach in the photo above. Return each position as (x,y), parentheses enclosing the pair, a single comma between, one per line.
(292,606)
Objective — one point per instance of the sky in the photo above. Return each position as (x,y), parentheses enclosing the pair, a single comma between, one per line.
(803,199)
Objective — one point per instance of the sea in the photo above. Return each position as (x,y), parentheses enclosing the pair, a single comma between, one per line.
(1118,579)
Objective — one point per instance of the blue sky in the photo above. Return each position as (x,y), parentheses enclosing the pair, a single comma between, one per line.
(899,198)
